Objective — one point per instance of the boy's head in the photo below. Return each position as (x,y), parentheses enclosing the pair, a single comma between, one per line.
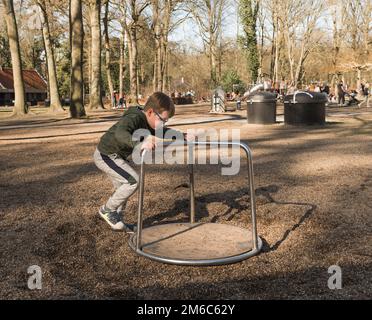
(159,108)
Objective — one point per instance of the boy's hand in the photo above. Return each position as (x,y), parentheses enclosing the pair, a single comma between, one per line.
(150,143)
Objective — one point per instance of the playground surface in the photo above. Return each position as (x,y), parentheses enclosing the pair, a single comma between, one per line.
(314,203)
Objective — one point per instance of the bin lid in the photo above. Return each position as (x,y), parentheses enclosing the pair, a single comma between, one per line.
(262,96)
(306,97)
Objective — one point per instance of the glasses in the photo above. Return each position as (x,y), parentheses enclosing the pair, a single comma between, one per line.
(161,118)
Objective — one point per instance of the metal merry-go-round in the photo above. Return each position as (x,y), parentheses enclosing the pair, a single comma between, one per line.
(197,244)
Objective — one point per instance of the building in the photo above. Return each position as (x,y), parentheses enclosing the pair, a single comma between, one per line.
(36,87)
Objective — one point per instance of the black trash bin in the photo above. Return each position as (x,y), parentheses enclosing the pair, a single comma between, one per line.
(261,108)
(305,108)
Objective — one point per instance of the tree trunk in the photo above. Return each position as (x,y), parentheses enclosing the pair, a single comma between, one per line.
(213,62)
(336,50)
(76,43)
(359,78)
(249,14)
(130,56)
(164,70)
(95,97)
(20,105)
(273,44)
(155,69)
(108,54)
(159,68)
(212,49)
(290,55)
(134,64)
(260,73)
(55,101)
(300,65)
(277,51)
(161,22)
(122,64)
(157,37)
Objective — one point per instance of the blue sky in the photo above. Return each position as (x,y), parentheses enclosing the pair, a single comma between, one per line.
(188,33)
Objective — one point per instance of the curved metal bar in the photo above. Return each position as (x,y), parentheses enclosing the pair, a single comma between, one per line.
(192,182)
(204,262)
(255,239)
(140,201)
(299,92)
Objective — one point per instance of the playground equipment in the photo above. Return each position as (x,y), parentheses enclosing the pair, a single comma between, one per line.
(261,108)
(197,243)
(218,101)
(303,108)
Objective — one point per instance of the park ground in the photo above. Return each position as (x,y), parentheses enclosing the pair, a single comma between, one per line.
(314,210)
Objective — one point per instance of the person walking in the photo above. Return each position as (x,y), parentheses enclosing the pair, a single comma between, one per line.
(341,94)
(365,93)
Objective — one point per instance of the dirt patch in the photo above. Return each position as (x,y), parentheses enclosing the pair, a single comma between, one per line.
(313,188)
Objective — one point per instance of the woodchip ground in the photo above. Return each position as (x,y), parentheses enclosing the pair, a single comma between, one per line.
(314,210)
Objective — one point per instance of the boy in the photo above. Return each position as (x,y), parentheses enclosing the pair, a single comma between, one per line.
(117,144)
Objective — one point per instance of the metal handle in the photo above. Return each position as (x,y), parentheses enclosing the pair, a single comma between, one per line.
(191,146)
(297,92)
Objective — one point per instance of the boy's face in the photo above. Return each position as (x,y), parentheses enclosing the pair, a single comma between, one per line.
(156,119)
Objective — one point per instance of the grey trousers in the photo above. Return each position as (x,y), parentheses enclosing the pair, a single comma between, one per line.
(365,101)
(123,177)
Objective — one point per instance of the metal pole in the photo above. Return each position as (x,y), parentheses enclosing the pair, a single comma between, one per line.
(140,203)
(192,191)
(253,200)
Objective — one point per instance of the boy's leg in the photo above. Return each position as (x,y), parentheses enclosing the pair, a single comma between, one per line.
(123,177)
(117,184)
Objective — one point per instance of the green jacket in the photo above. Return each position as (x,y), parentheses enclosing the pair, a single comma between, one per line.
(119,138)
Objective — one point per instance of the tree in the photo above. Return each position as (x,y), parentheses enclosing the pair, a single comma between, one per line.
(77,109)
(107,50)
(299,19)
(209,15)
(231,82)
(95,96)
(249,14)
(338,18)
(358,17)
(5,56)
(132,11)
(162,11)
(55,101)
(20,105)
(277,44)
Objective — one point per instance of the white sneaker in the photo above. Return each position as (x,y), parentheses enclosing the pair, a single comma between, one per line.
(115,220)
(112,218)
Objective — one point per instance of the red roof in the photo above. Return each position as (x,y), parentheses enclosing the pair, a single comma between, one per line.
(32,79)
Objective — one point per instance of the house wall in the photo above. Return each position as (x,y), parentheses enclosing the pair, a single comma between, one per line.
(6,98)
(33,99)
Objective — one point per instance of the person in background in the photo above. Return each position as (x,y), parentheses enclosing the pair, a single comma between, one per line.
(113,100)
(326,89)
(341,94)
(365,92)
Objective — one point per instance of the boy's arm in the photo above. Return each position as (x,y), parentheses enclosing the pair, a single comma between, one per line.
(124,132)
